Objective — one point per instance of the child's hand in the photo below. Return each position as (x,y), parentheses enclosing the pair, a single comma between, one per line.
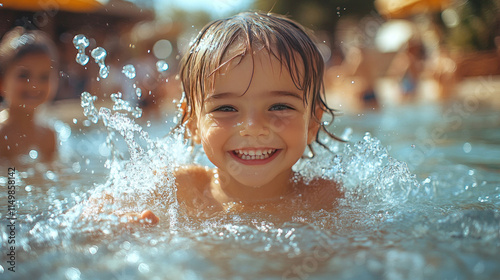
(147,217)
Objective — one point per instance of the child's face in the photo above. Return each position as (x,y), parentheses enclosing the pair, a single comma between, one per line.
(254,126)
(29,81)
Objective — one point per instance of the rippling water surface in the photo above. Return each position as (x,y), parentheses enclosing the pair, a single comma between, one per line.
(422,202)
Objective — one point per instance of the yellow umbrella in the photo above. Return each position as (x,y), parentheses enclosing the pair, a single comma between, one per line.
(405,8)
(53,5)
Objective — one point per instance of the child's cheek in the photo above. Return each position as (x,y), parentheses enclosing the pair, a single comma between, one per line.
(280,121)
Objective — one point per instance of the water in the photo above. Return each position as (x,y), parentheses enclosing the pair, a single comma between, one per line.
(99,54)
(435,218)
(422,200)
(81,43)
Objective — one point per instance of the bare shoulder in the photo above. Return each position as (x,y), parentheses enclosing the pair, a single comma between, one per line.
(193,188)
(321,193)
(193,175)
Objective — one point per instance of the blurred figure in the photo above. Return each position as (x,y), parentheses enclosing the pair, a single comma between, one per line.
(351,84)
(28,79)
(407,67)
(442,68)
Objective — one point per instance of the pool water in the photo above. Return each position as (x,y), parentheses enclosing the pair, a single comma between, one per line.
(422,201)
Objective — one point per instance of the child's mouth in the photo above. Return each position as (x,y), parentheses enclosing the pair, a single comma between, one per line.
(256,154)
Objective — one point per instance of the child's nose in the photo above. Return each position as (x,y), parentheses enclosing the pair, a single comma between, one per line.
(34,83)
(254,125)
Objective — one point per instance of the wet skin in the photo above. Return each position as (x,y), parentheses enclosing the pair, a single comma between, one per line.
(253,126)
(29,82)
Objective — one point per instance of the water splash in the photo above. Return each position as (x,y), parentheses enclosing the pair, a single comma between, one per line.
(120,104)
(89,109)
(99,54)
(81,43)
(366,172)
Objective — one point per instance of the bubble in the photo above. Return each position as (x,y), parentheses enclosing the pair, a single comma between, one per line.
(129,71)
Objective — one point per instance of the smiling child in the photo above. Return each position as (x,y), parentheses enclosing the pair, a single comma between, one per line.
(254,100)
(28,79)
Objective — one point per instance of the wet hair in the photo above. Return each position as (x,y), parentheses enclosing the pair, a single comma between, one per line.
(240,35)
(19,42)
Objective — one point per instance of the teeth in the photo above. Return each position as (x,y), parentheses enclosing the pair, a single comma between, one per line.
(254,154)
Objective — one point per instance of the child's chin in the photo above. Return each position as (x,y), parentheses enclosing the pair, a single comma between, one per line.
(252,183)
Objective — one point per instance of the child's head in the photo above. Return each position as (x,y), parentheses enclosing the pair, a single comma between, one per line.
(28,61)
(227,41)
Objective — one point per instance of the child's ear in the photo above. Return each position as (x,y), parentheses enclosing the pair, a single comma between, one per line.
(314,124)
(192,127)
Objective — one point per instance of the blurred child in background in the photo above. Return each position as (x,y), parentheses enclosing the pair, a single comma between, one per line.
(28,79)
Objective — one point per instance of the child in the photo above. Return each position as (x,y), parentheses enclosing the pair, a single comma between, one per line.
(254,100)
(28,78)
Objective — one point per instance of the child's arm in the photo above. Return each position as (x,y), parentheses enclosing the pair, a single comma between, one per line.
(147,217)
(95,210)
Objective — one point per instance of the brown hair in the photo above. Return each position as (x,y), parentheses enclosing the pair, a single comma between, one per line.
(281,37)
(19,42)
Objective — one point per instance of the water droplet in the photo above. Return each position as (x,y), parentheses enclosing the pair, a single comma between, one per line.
(129,71)
(99,54)
(75,121)
(89,110)
(33,154)
(143,268)
(138,92)
(467,147)
(76,167)
(72,273)
(93,250)
(81,42)
(137,113)
(161,66)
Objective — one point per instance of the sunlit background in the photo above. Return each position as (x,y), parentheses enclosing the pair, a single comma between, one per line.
(416,89)
(362,41)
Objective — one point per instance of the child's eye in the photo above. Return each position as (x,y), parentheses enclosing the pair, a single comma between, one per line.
(24,76)
(225,108)
(280,107)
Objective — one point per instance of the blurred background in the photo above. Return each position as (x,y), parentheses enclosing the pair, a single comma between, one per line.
(379,53)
